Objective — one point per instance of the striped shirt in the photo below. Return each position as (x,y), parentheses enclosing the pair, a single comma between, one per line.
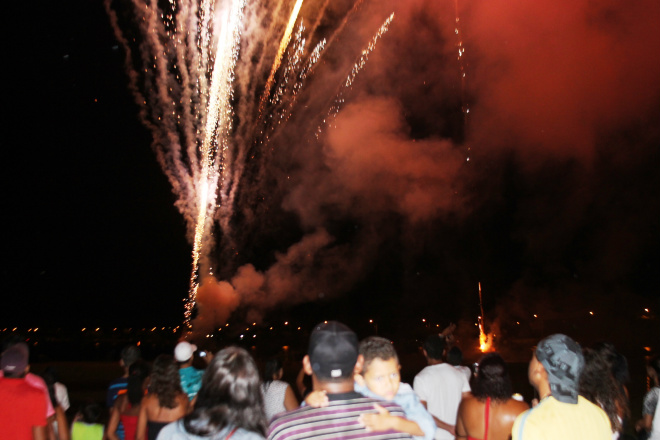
(338,420)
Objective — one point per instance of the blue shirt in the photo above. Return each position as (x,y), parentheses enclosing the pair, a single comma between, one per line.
(191,380)
(407,399)
(116,387)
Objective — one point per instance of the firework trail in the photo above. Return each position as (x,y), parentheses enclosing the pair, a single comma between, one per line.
(280,53)
(357,67)
(196,94)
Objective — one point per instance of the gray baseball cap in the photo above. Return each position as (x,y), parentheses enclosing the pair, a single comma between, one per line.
(562,358)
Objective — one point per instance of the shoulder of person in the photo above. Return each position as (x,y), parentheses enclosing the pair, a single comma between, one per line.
(121,401)
(517,404)
(173,431)
(469,401)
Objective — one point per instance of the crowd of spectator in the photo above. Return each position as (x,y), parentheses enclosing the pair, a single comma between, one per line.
(346,389)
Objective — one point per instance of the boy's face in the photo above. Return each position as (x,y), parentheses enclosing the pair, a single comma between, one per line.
(383,377)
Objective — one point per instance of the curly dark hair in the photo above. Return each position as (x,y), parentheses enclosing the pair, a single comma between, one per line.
(618,362)
(375,347)
(165,381)
(598,385)
(492,379)
(230,396)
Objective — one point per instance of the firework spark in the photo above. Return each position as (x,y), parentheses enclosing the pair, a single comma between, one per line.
(182,66)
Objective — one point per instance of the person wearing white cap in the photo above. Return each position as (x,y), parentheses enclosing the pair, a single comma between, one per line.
(191,377)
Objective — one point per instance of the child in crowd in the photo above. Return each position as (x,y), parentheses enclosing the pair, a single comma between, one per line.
(381,379)
(86,424)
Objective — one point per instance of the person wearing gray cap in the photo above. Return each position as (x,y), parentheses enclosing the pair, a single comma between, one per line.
(561,414)
(22,406)
(331,360)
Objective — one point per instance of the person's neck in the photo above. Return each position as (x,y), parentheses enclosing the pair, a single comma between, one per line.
(432,361)
(544,390)
(344,386)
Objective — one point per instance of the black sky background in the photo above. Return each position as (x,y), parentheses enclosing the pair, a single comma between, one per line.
(91,236)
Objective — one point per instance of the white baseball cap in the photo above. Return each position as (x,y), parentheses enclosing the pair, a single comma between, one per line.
(184,351)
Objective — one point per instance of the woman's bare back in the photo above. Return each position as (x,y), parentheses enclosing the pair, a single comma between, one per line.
(471,418)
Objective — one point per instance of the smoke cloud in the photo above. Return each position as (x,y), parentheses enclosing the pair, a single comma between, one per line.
(545,190)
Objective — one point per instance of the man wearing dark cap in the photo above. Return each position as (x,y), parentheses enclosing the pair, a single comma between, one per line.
(561,414)
(22,406)
(331,360)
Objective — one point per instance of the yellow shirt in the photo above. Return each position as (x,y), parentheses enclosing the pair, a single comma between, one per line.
(554,420)
(85,431)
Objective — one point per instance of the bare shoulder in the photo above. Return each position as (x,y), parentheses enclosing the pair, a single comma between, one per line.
(514,406)
(183,400)
(121,402)
(469,402)
(183,403)
(150,401)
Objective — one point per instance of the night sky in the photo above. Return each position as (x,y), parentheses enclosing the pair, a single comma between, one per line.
(556,211)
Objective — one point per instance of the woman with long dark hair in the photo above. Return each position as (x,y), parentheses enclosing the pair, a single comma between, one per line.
(126,408)
(600,387)
(489,413)
(229,403)
(165,401)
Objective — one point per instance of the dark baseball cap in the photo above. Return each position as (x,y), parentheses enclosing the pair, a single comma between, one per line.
(15,358)
(333,350)
(562,358)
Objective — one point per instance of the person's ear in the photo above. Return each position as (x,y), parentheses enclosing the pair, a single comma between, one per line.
(357,377)
(538,372)
(307,365)
(358,365)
